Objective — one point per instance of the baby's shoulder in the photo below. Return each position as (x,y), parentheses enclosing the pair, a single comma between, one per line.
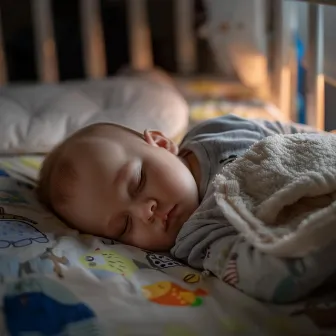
(208,208)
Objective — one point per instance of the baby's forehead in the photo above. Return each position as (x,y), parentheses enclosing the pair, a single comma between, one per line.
(93,156)
(90,149)
(92,145)
(90,155)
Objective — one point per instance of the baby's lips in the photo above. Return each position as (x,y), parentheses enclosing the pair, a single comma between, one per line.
(165,225)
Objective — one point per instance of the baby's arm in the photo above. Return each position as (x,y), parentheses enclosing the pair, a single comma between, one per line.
(265,277)
(208,241)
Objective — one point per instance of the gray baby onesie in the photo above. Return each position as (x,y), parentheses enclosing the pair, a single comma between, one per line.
(207,240)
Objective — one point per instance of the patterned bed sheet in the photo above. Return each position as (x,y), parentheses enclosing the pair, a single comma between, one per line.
(56,281)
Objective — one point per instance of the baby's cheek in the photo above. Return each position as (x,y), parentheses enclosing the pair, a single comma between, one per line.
(153,240)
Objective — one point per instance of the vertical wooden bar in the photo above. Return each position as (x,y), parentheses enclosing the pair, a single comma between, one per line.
(140,37)
(315,67)
(285,64)
(93,39)
(44,41)
(185,37)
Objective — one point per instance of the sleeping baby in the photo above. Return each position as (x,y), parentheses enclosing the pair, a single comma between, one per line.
(144,190)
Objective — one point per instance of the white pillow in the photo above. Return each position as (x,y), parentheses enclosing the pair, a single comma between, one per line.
(33,118)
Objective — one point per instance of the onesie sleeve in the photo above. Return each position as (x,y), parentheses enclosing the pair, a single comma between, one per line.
(277,127)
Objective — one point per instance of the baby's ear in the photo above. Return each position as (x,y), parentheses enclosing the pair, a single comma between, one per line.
(157,139)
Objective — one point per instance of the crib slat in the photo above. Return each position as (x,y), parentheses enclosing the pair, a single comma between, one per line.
(140,37)
(93,39)
(3,65)
(285,63)
(44,41)
(315,66)
(184,35)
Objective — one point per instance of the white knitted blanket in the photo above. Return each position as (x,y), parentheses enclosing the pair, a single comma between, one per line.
(281,194)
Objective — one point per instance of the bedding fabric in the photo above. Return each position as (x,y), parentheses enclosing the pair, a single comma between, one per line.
(56,281)
(281,194)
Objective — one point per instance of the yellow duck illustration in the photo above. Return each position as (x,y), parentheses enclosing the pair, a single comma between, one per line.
(104,263)
(170,294)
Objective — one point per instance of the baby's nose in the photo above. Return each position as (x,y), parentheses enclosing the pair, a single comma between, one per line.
(146,211)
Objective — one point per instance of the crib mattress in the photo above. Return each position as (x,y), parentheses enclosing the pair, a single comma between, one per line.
(56,281)
(211,98)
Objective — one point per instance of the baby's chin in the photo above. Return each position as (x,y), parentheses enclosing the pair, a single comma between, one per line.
(162,244)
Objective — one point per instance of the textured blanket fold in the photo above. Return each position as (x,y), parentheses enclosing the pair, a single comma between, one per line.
(281,195)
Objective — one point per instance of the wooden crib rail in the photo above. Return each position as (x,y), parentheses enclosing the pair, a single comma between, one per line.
(93,39)
(46,58)
(285,77)
(315,65)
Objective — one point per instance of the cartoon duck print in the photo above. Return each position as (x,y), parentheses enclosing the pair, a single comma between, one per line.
(18,231)
(41,306)
(106,263)
(169,294)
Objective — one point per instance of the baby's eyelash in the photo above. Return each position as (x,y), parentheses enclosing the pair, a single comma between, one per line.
(141,180)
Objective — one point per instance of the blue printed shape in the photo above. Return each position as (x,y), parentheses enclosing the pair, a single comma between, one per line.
(3,173)
(47,263)
(18,231)
(41,306)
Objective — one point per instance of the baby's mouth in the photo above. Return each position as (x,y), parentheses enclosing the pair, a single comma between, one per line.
(169,218)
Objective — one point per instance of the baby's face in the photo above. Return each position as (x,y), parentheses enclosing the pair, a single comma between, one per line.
(132,190)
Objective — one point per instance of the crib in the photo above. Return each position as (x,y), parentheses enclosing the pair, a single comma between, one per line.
(277,69)
(94,285)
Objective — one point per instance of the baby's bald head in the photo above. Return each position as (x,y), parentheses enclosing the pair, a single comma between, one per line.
(58,173)
(111,181)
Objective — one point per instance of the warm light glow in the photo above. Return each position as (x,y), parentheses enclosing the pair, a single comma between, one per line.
(49,59)
(316,104)
(285,93)
(97,52)
(140,36)
(320,103)
(251,66)
(49,47)
(142,55)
